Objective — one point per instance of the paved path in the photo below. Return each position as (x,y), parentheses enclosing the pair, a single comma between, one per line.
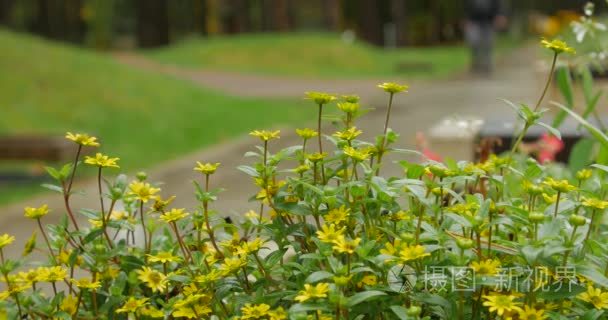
(417,110)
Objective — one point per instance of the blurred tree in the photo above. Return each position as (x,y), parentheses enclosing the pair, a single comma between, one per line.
(334,15)
(213,19)
(369,24)
(152,23)
(398,11)
(99,17)
(239,16)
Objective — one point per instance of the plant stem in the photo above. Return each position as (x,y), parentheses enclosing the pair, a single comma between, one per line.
(143,225)
(542,96)
(383,141)
(320,141)
(557,204)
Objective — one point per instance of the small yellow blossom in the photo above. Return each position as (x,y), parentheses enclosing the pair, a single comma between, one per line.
(392,87)
(488,267)
(595,296)
(36,213)
(265,135)
(348,107)
(549,198)
(102,161)
(306,133)
(142,191)
(155,280)
(313,292)
(356,155)
(132,305)
(163,257)
(174,215)
(232,265)
(337,215)
(86,283)
(412,252)
(277,314)
(346,246)
(54,274)
(160,205)
(255,311)
(82,139)
(529,313)
(348,134)
(320,97)
(5,240)
(329,233)
(68,304)
(584,174)
(501,303)
(368,280)
(206,168)
(316,157)
(559,185)
(557,46)
(594,203)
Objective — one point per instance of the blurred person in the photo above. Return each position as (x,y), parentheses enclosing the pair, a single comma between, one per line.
(483,17)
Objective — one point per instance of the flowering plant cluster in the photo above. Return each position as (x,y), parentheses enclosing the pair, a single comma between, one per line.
(332,238)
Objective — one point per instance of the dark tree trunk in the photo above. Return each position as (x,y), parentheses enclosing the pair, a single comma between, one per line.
(369,22)
(213,19)
(281,15)
(333,14)
(5,11)
(42,24)
(152,23)
(398,13)
(198,13)
(239,19)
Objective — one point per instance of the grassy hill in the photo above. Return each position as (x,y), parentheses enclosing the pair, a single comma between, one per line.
(311,55)
(142,118)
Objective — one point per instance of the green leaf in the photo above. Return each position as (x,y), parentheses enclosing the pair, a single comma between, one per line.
(564,84)
(401,312)
(551,130)
(363,296)
(595,132)
(580,156)
(591,104)
(593,275)
(52,187)
(248,170)
(318,276)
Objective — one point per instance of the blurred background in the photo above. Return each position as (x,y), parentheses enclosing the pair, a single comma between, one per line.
(157,80)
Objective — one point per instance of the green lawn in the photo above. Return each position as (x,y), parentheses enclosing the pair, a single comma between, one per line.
(141,117)
(311,55)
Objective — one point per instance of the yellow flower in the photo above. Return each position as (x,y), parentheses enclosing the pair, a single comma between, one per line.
(68,305)
(329,234)
(595,296)
(265,135)
(206,168)
(163,257)
(549,198)
(342,280)
(488,267)
(348,107)
(118,215)
(529,313)
(594,203)
(188,312)
(132,305)
(348,134)
(54,274)
(30,277)
(102,161)
(532,188)
(142,191)
(301,168)
(412,252)
(152,312)
(5,240)
(346,246)
(501,303)
(312,292)
(357,155)
(351,98)
(174,215)
(320,97)
(337,215)
(559,185)
(557,46)
(400,216)
(391,249)
(231,265)
(82,139)
(153,279)
(160,205)
(96,223)
(255,311)
(249,247)
(368,280)
(306,133)
(86,283)
(277,314)
(316,157)
(584,174)
(392,87)
(36,213)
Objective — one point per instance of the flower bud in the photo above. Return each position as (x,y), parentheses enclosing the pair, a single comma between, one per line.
(141,176)
(414,311)
(407,237)
(576,220)
(464,243)
(536,217)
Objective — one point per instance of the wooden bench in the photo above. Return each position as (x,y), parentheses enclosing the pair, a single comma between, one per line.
(36,147)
